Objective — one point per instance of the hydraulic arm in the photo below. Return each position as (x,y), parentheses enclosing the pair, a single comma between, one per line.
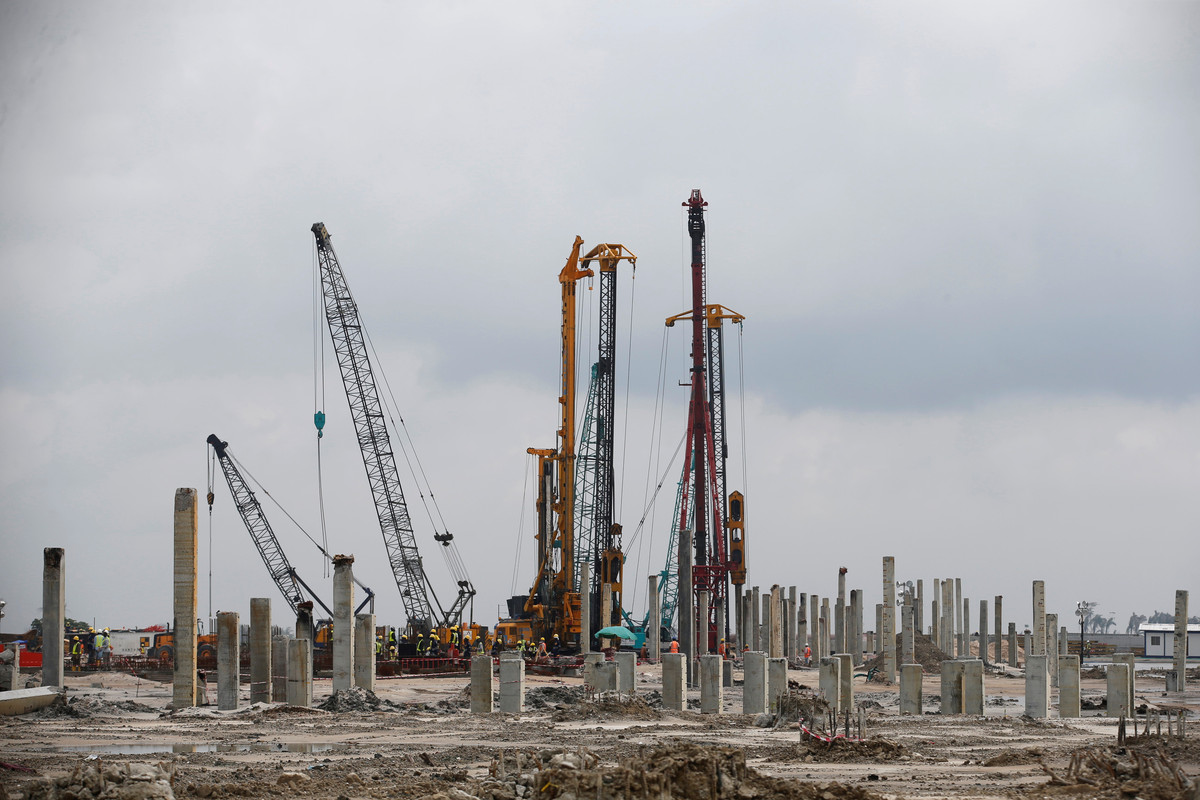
(366,409)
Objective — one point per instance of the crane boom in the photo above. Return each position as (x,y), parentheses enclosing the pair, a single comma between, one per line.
(260,530)
(366,409)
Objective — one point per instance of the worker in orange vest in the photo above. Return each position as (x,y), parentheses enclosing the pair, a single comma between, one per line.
(674,645)
(721,649)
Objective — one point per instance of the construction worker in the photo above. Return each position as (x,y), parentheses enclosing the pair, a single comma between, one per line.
(454,636)
(435,647)
(497,645)
(674,646)
(76,653)
(555,646)
(721,649)
(422,645)
(543,655)
(807,655)
(378,646)
(108,649)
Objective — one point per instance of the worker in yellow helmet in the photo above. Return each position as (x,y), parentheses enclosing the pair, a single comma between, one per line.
(76,653)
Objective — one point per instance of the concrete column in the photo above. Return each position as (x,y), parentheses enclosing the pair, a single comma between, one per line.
(755,620)
(1052,645)
(1063,635)
(911,676)
(606,604)
(889,618)
(674,675)
(935,609)
(261,690)
(626,672)
(1120,701)
(1012,644)
(1129,660)
(826,628)
(1180,641)
(907,638)
(754,683)
(830,682)
(54,603)
(1068,686)
(952,691)
(946,628)
(855,644)
(777,682)
(279,660)
(590,662)
(845,681)
(299,673)
(964,636)
(1039,618)
(764,635)
(998,602)
(814,627)
(983,631)
(512,685)
(839,616)
(229,659)
(791,650)
(878,629)
(935,623)
(802,623)
(1037,686)
(343,622)
(482,685)
(364,651)
(959,622)
(746,632)
(972,687)
(919,616)
(712,691)
(775,623)
(703,642)
(727,674)
(585,608)
(654,623)
(12,651)
(605,674)
(185,689)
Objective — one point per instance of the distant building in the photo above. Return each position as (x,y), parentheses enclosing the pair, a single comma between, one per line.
(1159,640)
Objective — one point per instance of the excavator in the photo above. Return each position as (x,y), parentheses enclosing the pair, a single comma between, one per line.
(425,613)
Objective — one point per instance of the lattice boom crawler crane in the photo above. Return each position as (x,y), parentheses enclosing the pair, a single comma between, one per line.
(421,605)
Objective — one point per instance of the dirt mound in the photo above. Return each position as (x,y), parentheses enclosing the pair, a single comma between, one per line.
(679,770)
(540,698)
(355,699)
(1093,672)
(1009,758)
(84,706)
(1186,750)
(1118,774)
(925,653)
(115,781)
(844,751)
(609,705)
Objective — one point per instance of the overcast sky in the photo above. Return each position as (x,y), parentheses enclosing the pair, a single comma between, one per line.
(966,238)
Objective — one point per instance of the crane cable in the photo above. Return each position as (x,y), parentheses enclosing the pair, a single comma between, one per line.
(212,471)
(521,526)
(742,407)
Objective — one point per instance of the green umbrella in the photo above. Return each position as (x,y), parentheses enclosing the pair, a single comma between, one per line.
(617,631)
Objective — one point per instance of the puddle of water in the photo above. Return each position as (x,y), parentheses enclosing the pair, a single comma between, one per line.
(189,747)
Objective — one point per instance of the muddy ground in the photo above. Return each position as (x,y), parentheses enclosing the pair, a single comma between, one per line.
(417,738)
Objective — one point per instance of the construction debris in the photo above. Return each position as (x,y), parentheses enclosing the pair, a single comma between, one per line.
(95,779)
(1118,774)
(681,771)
